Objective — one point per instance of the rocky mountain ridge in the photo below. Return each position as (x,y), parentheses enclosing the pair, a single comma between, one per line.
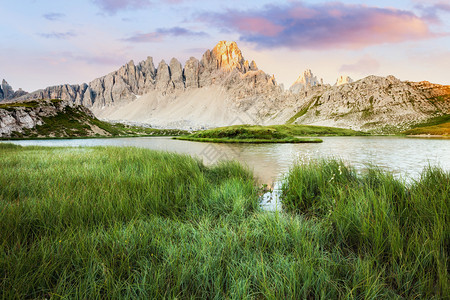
(8,93)
(376,102)
(222,88)
(132,80)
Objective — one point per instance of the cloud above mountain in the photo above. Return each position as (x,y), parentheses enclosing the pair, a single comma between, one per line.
(321,26)
(113,6)
(161,33)
(52,16)
(58,35)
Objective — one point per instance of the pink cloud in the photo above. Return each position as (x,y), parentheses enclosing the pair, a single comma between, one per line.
(323,26)
(259,25)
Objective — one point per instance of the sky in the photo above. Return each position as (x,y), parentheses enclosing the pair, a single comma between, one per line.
(50,42)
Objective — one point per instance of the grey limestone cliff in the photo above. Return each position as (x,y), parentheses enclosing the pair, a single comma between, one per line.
(7,92)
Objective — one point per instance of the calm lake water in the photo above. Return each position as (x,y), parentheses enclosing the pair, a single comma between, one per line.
(405,157)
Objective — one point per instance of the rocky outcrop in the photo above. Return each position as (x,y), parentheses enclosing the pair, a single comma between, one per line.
(437,94)
(305,81)
(17,118)
(17,121)
(163,82)
(343,80)
(7,92)
(23,119)
(191,73)
(176,74)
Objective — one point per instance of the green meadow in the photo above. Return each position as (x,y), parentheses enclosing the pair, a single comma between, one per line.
(267,134)
(109,222)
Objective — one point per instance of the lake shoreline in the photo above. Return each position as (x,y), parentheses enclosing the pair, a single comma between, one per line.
(249,140)
(406,157)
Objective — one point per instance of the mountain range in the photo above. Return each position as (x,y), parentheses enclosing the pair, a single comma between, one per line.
(222,88)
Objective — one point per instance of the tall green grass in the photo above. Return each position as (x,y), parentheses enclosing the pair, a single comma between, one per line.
(399,234)
(134,223)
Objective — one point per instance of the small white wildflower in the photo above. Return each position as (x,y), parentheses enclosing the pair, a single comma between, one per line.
(332,178)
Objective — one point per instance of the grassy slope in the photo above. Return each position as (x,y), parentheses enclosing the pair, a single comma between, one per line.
(272,133)
(73,122)
(302,111)
(435,126)
(126,222)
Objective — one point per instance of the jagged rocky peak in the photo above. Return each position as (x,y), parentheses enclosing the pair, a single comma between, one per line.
(7,92)
(343,79)
(228,55)
(163,76)
(253,66)
(306,80)
(176,73)
(191,73)
(147,67)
